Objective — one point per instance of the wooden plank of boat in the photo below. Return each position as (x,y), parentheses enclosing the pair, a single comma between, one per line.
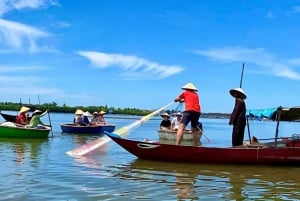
(171,135)
(260,154)
(10,130)
(90,129)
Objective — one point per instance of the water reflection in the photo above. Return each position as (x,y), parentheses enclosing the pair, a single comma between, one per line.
(23,148)
(201,181)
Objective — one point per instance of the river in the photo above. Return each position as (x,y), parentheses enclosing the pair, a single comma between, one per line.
(39,169)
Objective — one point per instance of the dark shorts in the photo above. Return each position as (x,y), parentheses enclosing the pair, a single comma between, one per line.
(190,116)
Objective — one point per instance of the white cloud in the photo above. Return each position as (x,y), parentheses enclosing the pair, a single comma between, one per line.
(134,67)
(19,36)
(258,56)
(296,9)
(8,5)
(270,15)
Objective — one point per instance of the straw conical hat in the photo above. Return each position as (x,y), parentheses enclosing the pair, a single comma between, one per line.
(24,109)
(190,86)
(79,111)
(102,112)
(238,93)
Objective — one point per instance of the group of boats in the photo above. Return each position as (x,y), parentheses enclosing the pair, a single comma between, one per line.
(11,129)
(277,151)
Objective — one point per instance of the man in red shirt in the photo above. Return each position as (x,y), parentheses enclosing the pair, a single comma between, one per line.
(192,112)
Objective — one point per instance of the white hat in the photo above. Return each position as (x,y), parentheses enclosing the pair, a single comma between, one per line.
(238,93)
(87,114)
(178,114)
(190,86)
(165,115)
(37,111)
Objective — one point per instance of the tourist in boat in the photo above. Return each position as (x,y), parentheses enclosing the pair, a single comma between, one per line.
(101,117)
(78,117)
(238,116)
(165,123)
(95,119)
(22,116)
(85,118)
(192,112)
(176,121)
(36,119)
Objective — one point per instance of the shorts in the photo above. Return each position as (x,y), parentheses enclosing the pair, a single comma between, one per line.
(190,116)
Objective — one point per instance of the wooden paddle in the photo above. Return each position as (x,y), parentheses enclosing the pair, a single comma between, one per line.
(91,146)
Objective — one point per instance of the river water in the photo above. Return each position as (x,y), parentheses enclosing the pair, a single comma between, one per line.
(39,169)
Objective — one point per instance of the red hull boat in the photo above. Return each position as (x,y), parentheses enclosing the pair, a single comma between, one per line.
(286,152)
(280,151)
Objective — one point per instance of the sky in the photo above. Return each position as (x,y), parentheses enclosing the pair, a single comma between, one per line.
(138,54)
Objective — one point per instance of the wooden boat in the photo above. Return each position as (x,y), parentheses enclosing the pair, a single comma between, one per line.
(171,135)
(91,129)
(10,117)
(10,130)
(281,151)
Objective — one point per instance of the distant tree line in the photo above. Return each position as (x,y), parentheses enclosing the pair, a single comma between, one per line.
(54,107)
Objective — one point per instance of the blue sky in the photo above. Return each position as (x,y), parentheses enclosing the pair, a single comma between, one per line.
(138,54)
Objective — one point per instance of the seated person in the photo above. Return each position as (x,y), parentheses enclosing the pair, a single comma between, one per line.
(176,121)
(85,118)
(35,119)
(165,124)
(22,116)
(96,118)
(101,117)
(78,117)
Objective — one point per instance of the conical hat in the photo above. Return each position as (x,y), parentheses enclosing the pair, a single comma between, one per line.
(24,109)
(238,93)
(87,114)
(79,111)
(102,112)
(190,86)
(37,111)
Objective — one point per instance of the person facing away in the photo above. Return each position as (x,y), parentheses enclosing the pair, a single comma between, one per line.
(176,121)
(165,123)
(192,112)
(238,116)
(22,116)
(85,118)
(36,119)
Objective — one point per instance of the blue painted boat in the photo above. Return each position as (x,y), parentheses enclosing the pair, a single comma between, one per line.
(91,129)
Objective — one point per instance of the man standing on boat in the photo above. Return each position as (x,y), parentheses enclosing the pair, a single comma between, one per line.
(238,116)
(192,112)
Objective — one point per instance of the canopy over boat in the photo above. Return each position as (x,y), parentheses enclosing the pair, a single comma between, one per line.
(276,114)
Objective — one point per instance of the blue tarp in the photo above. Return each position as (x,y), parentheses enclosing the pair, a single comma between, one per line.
(260,113)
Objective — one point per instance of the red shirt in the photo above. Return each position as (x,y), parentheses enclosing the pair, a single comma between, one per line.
(191,99)
(21,118)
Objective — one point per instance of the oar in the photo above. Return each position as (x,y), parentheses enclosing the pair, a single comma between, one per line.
(123,131)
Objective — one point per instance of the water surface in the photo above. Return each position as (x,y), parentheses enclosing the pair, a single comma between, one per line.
(39,169)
